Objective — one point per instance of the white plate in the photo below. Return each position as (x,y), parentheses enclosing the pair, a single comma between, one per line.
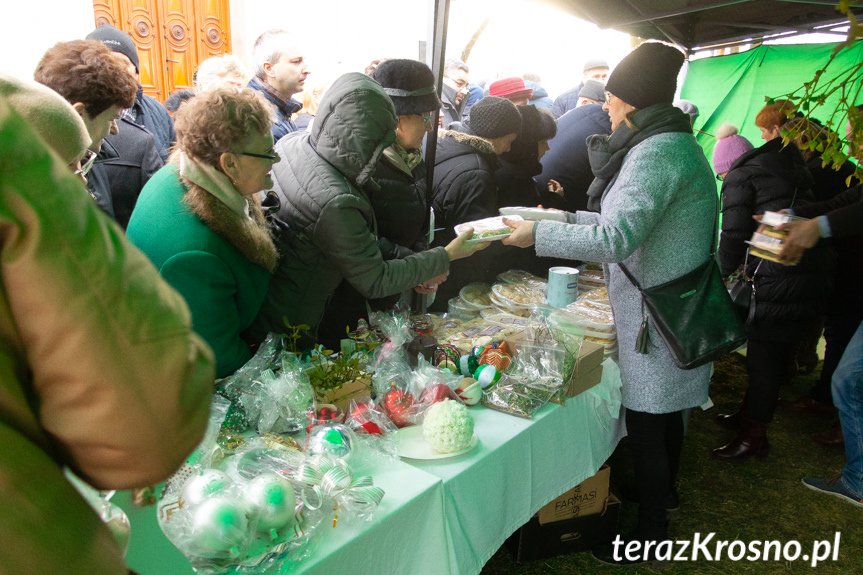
(534,214)
(412,445)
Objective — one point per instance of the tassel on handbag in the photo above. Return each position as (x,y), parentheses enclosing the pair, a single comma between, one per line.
(643,339)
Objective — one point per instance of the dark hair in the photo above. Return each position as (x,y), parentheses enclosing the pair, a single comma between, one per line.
(86,71)
(176,99)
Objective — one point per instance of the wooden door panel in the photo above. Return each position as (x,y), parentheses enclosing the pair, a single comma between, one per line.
(141,22)
(178,33)
(213,21)
(172,37)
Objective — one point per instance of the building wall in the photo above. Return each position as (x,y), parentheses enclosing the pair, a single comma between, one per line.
(29,28)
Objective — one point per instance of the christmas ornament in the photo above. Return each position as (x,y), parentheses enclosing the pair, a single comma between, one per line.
(448,426)
(219,524)
(470,391)
(446,357)
(333,438)
(496,356)
(397,406)
(487,375)
(273,498)
(203,485)
(363,415)
(467,365)
(437,392)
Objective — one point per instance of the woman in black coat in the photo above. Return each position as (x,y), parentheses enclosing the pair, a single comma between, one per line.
(787,298)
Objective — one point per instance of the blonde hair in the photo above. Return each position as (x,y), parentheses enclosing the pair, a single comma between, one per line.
(220,120)
(212,70)
(312,96)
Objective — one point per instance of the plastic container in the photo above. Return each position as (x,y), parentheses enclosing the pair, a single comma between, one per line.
(487,229)
(476,295)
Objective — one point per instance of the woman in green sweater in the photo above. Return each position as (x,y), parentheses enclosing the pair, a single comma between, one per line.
(199,221)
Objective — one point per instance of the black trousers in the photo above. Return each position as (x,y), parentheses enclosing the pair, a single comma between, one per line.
(656,441)
(767,365)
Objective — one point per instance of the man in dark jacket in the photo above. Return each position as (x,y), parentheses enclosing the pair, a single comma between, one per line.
(328,231)
(128,160)
(596,69)
(146,111)
(401,205)
(455,90)
(566,160)
(280,72)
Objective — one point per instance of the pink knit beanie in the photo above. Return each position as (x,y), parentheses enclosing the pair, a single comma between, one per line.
(729,147)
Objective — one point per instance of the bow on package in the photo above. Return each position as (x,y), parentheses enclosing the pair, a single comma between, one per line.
(334,478)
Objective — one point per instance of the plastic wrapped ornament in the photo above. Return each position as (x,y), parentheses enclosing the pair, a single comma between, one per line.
(204,485)
(219,525)
(486,375)
(272,497)
(470,391)
(446,357)
(467,365)
(335,439)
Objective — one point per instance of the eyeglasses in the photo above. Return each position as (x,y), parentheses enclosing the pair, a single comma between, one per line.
(608,97)
(461,84)
(86,163)
(427,119)
(273,157)
(719,177)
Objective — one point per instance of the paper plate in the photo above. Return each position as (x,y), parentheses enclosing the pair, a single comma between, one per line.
(534,214)
(412,445)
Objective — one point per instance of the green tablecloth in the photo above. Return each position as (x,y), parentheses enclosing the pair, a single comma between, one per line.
(446,516)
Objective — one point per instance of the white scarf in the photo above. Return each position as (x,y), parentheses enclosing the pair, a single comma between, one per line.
(214,182)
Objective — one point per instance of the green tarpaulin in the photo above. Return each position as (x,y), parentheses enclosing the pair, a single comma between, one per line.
(733,88)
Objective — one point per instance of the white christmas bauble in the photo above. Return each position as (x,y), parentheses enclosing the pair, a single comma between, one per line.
(273,498)
(203,485)
(220,524)
(333,438)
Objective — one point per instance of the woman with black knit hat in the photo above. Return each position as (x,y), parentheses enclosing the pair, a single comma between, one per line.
(401,205)
(653,204)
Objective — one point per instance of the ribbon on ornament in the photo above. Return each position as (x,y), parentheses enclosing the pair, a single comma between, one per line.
(335,478)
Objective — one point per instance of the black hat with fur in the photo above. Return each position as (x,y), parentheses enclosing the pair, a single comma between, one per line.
(410,85)
(537,124)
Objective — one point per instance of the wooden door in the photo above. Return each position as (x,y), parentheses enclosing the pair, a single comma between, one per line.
(172,36)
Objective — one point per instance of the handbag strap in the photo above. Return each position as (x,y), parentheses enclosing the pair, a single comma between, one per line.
(714,242)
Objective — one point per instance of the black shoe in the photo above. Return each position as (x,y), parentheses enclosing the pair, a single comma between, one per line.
(730,420)
(605,553)
(751,441)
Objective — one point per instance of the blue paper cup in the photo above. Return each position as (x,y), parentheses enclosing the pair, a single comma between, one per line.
(562,286)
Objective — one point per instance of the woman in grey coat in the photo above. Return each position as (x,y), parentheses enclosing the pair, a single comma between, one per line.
(654,202)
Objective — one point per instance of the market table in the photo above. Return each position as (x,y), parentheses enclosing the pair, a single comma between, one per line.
(450,515)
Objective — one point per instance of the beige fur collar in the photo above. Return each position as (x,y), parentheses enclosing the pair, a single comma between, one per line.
(480,145)
(250,236)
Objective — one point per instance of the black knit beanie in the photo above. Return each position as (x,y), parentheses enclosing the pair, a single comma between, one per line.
(494,117)
(536,125)
(410,85)
(116,40)
(647,76)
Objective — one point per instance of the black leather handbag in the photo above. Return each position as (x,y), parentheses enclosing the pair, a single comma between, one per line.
(742,291)
(693,314)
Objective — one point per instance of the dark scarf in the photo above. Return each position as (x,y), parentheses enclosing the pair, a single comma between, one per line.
(606,153)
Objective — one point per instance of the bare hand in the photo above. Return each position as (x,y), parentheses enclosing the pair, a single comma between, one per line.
(555,187)
(458,248)
(522,237)
(430,286)
(802,235)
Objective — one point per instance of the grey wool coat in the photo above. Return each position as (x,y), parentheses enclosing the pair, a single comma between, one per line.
(657,218)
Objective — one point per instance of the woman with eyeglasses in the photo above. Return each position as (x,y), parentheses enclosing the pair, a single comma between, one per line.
(200,222)
(651,209)
(401,204)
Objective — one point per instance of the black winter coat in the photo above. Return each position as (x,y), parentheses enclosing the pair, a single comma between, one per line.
(151,114)
(770,178)
(401,209)
(566,159)
(129,159)
(465,187)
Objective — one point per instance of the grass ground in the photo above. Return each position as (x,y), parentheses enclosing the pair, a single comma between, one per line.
(757,500)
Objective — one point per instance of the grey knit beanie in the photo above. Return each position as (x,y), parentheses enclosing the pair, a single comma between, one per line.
(494,117)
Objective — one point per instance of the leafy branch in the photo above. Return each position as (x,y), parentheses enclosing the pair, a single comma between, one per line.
(830,143)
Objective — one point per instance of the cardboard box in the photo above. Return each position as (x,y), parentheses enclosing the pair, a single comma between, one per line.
(586,498)
(590,357)
(535,541)
(583,382)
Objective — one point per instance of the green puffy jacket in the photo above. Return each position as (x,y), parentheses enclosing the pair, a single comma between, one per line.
(327,225)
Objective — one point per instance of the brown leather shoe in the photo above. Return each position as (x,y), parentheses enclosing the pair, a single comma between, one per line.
(832,437)
(751,441)
(808,405)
